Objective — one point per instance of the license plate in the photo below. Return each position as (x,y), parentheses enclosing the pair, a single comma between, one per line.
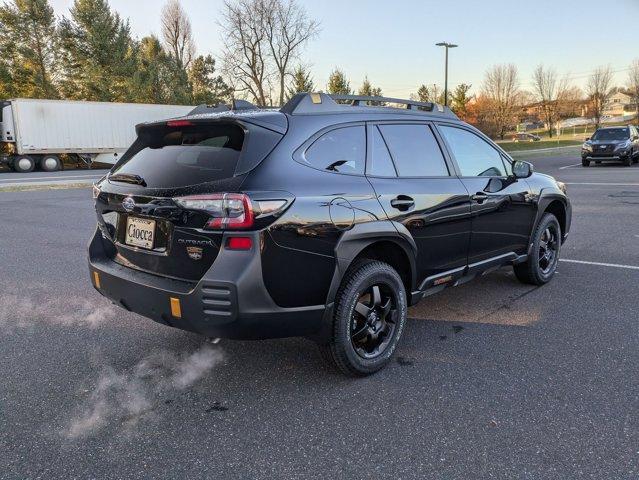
(140,232)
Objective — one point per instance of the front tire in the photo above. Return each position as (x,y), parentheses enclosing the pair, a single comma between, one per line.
(544,257)
(370,313)
(627,161)
(585,163)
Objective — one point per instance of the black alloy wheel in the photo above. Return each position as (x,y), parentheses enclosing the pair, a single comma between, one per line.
(374,320)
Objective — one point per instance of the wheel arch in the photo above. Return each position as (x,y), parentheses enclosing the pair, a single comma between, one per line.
(384,241)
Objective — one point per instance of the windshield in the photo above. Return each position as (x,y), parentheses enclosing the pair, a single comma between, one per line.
(166,157)
(611,134)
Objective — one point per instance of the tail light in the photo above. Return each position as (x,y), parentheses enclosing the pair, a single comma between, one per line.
(227,211)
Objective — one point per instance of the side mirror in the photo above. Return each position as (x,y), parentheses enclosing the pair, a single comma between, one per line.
(522,169)
(587,138)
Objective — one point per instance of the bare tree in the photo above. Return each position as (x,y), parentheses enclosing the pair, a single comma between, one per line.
(598,89)
(177,33)
(633,84)
(288,28)
(501,90)
(245,47)
(550,92)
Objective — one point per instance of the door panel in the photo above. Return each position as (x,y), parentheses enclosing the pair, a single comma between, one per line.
(502,208)
(438,219)
(502,212)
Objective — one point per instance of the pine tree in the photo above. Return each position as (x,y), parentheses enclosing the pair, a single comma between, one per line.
(28,42)
(368,90)
(460,99)
(98,53)
(149,80)
(302,82)
(338,84)
(206,86)
(423,94)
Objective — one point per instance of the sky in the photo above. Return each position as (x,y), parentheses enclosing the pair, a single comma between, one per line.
(393,41)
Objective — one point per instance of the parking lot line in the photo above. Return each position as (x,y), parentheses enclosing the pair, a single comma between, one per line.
(568,166)
(604,184)
(600,264)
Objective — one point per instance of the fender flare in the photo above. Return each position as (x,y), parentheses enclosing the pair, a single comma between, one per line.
(545,198)
(362,235)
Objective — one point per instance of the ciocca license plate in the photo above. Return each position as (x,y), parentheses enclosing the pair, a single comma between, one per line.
(140,232)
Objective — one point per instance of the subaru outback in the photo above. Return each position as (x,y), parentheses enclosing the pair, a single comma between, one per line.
(325,219)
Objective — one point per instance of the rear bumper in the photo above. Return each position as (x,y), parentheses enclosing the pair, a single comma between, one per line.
(230,301)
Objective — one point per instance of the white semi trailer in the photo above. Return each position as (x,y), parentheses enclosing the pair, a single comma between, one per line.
(35,133)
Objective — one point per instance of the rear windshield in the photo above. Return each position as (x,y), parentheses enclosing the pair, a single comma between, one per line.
(611,134)
(166,157)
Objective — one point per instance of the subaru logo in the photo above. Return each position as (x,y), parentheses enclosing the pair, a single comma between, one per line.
(128,204)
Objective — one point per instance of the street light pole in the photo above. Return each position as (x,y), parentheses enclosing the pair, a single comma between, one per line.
(447,46)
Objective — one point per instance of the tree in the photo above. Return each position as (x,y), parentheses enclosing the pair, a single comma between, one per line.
(245,50)
(98,53)
(177,33)
(207,87)
(550,91)
(288,28)
(29,39)
(633,84)
(368,90)
(338,84)
(429,94)
(460,99)
(598,90)
(501,93)
(301,83)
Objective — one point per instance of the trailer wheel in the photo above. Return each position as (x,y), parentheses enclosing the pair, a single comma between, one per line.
(50,163)
(23,164)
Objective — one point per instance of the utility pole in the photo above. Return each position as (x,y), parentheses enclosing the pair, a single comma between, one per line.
(447,46)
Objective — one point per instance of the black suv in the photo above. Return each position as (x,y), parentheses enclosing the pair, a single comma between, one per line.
(325,219)
(612,143)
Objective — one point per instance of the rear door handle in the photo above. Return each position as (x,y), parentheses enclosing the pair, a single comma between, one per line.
(479,197)
(402,203)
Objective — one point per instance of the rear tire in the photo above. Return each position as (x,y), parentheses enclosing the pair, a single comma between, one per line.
(370,313)
(50,163)
(23,164)
(585,163)
(544,257)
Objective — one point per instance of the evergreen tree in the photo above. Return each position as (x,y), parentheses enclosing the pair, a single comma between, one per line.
(423,94)
(206,86)
(302,82)
(338,84)
(98,53)
(368,90)
(149,80)
(460,99)
(28,43)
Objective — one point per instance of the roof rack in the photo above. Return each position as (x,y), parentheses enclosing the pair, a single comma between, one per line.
(309,103)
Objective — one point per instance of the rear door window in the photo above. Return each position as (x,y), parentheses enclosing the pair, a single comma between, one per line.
(342,150)
(474,155)
(414,150)
(166,157)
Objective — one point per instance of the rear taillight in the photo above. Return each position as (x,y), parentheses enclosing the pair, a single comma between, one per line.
(227,211)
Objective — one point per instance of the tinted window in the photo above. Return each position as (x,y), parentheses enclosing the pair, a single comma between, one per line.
(341,150)
(611,134)
(414,150)
(167,157)
(381,162)
(475,156)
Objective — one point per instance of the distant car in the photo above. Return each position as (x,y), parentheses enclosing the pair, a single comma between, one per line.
(526,137)
(612,143)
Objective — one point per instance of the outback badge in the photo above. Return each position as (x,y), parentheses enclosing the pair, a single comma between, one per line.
(194,252)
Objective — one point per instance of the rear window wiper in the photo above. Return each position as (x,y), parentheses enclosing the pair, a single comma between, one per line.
(127,178)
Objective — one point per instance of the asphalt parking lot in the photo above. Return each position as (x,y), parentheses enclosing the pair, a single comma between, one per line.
(492,379)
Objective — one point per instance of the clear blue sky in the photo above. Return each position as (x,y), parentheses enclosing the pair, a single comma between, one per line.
(392,41)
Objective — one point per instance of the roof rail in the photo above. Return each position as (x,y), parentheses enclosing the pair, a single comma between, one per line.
(309,103)
(235,106)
